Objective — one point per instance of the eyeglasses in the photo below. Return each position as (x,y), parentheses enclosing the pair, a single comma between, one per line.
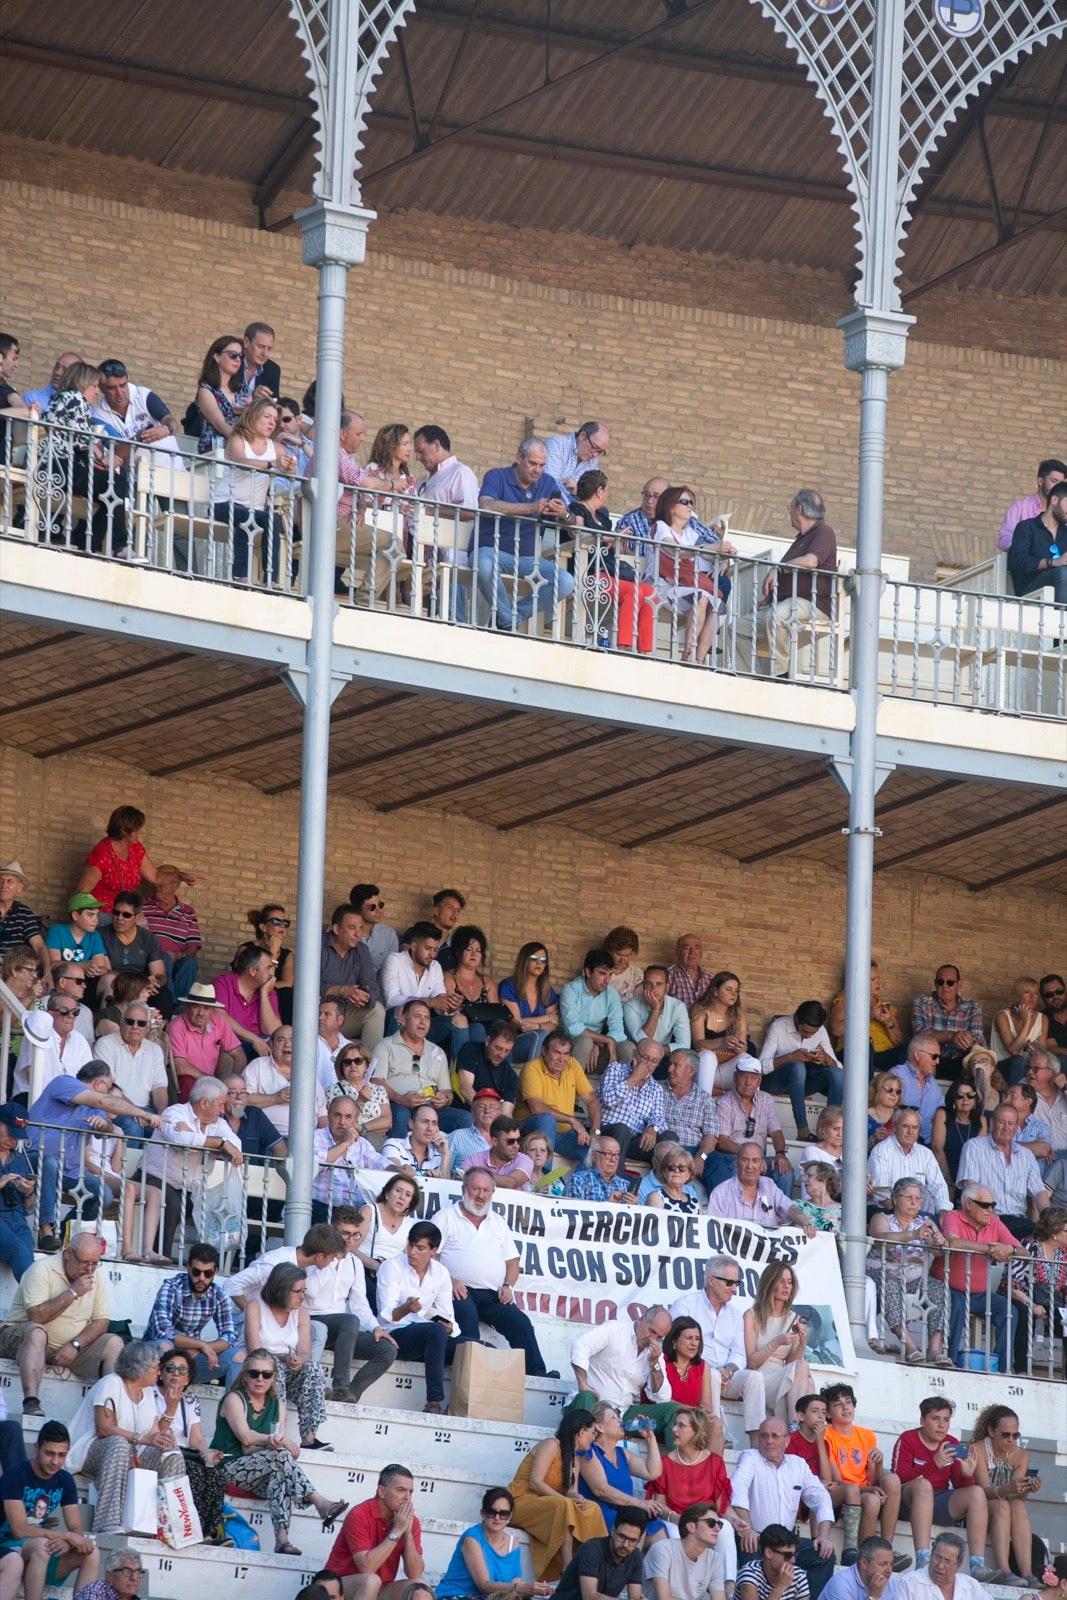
(121,916)
(280,922)
(256,1374)
(512,1138)
(65,1011)
(730,1283)
(135,1572)
(627,1538)
(136,1022)
(175,1366)
(499,1511)
(83,1261)
(684,502)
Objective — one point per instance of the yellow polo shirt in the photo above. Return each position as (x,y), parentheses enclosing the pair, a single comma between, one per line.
(558,1094)
(44,1280)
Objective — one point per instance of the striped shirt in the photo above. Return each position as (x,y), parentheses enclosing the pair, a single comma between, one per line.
(1011,1185)
(174,928)
(888,1161)
(19,926)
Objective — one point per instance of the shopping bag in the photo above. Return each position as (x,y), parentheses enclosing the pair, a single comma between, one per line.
(140,1511)
(488,1382)
(179,1520)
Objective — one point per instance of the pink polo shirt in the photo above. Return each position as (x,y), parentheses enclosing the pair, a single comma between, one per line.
(200,1049)
(956,1226)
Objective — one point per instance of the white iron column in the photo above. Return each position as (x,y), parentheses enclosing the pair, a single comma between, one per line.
(335,239)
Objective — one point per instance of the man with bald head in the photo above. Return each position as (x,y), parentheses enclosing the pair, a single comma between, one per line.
(41,397)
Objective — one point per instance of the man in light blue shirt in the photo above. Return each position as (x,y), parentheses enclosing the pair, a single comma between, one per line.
(41,397)
(920,1089)
(591,1012)
(655,1014)
(871,1578)
(571,454)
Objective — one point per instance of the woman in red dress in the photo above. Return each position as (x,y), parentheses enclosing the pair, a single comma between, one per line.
(692,1472)
(690,1378)
(118,862)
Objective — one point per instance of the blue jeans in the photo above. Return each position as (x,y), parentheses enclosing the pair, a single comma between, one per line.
(182,973)
(228,1368)
(564,1144)
(94,1186)
(799,1078)
(16,1242)
(245,519)
(557,584)
(429,1343)
(961,1303)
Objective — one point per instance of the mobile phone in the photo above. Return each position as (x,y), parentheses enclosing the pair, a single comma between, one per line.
(960,1451)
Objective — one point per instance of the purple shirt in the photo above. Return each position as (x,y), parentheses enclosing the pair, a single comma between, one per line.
(1031,505)
(771,1206)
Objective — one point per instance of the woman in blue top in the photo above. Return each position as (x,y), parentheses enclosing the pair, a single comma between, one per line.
(607,1473)
(532,1001)
(488,1558)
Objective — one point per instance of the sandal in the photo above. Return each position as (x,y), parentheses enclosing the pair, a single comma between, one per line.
(332,1512)
(915,1358)
(286,1549)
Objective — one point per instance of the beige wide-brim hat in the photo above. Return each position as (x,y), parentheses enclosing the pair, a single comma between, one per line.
(202,994)
(14,869)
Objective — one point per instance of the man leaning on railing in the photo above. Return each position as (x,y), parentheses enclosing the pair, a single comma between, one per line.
(977,1239)
(509,546)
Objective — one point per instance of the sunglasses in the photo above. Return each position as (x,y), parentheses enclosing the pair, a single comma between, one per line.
(232,355)
(945,983)
(81,982)
(499,1511)
(374,905)
(1052,994)
(123,916)
(712,1522)
(731,1283)
(280,922)
(540,960)
(685,502)
(284,418)
(512,1139)
(134,1022)
(986,1205)
(256,1374)
(65,1011)
(354,1061)
(202,1272)
(176,1366)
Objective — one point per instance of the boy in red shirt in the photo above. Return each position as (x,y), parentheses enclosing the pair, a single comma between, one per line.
(376,1535)
(867,1495)
(808,1442)
(938,1487)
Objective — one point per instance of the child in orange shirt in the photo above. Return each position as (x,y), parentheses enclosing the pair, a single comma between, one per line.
(868,1497)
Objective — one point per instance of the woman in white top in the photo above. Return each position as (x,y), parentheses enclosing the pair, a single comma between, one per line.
(277,1321)
(390,1220)
(1019,1028)
(244,498)
(117,1427)
(775,1340)
(688,592)
(179,1414)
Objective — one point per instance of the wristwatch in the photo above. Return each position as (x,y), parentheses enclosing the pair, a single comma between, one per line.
(75,1344)
(392,1535)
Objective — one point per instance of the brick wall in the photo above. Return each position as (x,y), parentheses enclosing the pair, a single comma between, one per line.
(722,372)
(780,928)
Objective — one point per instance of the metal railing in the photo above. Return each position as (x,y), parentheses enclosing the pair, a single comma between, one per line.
(600,590)
(1010,1317)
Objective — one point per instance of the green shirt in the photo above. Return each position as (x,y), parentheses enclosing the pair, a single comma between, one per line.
(265,1422)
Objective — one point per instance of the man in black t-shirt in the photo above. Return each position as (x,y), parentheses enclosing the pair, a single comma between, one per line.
(615,1563)
(35,1544)
(1038,555)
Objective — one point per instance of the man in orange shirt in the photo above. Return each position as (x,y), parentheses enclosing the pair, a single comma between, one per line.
(866,1494)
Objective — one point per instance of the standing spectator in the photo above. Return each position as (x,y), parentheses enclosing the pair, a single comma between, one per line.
(18,924)
(797,1056)
(381,940)
(549,1088)
(177,928)
(119,860)
(34,1549)
(946,1016)
(591,1012)
(568,453)
(247,996)
(376,1536)
(768,1483)
(938,1487)
(182,1309)
(1008,1170)
(632,1101)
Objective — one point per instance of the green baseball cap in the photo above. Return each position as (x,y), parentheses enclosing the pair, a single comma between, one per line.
(84,902)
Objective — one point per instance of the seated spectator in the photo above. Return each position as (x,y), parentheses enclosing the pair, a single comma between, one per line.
(415,1307)
(447,483)
(632,1101)
(469,1143)
(1008,1170)
(446,908)
(957,1121)
(599,1178)
(340,1306)
(66,1049)
(683,588)
(549,1088)
(652,1013)
(78,939)
(902,1156)
(340,1151)
(276,1320)
(82,462)
(132,411)
(18,924)
(117,1420)
(917,1076)
(250,1424)
(41,397)
(176,930)
(883,1099)
(424,1151)
(568,454)
(181,1311)
(1049,474)
(866,1496)
(691,1472)
(220,392)
(686,978)
(256,1133)
(131,948)
(479,999)
(488,1065)
(124,987)
(381,940)
(179,1414)
(487,1553)
(796,605)
(622,610)
(776,1340)
(751,1197)
(946,1016)
(390,1221)
(270,926)
(939,1487)
(829,1138)
(548,1504)
(608,1472)
(174,1160)
(591,1012)
(1019,1029)
(203,1045)
(507,549)
(689,1113)
(692,1566)
(1032,1133)
(620,1360)
(747,1113)
(346,971)
(56,1302)
(537,1149)
(18,1193)
(268,1080)
(20,971)
(331,1016)
(974,1231)
(510,1168)
(1002,1471)
(691,1379)
(531,999)
(886,1034)
(797,1057)
(1033,561)
(720,1320)
(776,1571)
(767,1482)
(903,1268)
(245,493)
(674,1170)
(415,1072)
(35,1494)
(720,1031)
(622,944)
(1038,1287)
(1054,1001)
(353,1068)
(821,1200)
(1046,1078)
(247,996)
(416,974)
(136,1063)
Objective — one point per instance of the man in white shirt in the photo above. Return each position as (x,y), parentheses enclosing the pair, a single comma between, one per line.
(798,1058)
(331,1040)
(902,1156)
(338,1303)
(769,1487)
(942,1578)
(55,1027)
(131,411)
(409,1063)
(320,1246)
(617,1360)
(136,1063)
(722,1324)
(415,1306)
(417,973)
(482,1258)
(689,1568)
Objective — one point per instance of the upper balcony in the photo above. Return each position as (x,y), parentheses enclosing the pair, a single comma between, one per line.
(669,639)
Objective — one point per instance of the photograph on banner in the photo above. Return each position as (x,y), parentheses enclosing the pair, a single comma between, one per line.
(584,1262)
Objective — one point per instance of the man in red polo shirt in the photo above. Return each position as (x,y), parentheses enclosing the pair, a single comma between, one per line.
(977,1237)
(376,1536)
